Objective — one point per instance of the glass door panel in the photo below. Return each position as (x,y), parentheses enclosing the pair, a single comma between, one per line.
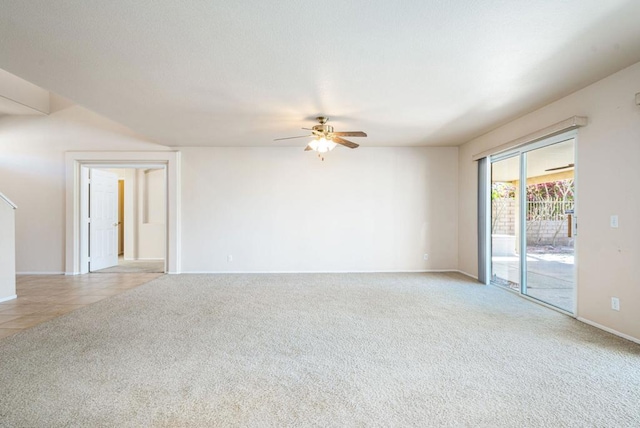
(505,223)
(549,213)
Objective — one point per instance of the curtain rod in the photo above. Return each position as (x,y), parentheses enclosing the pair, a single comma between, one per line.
(557,128)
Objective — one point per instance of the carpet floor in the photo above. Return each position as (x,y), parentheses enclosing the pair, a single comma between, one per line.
(323,350)
(135,266)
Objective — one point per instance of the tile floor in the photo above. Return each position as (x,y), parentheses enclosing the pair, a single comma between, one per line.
(44,297)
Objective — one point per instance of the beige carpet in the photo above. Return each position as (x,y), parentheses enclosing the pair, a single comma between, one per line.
(319,350)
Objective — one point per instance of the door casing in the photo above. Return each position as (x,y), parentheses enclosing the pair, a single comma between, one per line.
(76,168)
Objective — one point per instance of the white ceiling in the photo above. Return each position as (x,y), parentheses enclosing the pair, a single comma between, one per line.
(231,73)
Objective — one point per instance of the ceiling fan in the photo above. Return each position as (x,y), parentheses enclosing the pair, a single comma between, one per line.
(325,138)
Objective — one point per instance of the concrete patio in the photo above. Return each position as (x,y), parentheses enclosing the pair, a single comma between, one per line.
(550,276)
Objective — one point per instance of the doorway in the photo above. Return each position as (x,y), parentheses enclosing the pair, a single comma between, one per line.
(126,219)
(76,164)
(533,221)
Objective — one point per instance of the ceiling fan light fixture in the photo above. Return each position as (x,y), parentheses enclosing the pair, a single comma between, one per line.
(322,145)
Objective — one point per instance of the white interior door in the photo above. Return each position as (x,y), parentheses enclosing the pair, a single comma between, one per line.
(103,214)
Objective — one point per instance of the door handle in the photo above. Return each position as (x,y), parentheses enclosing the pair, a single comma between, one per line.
(116,224)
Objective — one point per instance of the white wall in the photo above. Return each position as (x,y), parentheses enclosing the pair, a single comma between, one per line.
(32,174)
(282,209)
(144,212)
(7,251)
(152,213)
(608,153)
(120,172)
(130,214)
(272,208)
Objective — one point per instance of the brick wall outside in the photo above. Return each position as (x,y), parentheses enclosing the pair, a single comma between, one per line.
(503,211)
(538,232)
(543,232)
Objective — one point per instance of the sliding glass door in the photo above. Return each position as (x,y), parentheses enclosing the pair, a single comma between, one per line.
(532,221)
(550,199)
(505,224)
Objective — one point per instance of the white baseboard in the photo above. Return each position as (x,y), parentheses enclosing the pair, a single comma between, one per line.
(41,273)
(150,260)
(213,272)
(204,272)
(276,271)
(609,330)
(465,273)
(5,299)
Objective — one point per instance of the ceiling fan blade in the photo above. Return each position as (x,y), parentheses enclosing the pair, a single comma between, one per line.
(306,149)
(350,134)
(344,142)
(291,138)
(561,167)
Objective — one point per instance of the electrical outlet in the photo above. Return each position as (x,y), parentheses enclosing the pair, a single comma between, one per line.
(615,303)
(614,221)
(425,257)
(229,258)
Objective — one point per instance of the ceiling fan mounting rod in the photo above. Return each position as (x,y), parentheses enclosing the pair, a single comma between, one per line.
(323,128)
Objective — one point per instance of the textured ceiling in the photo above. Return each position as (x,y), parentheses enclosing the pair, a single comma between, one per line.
(230,73)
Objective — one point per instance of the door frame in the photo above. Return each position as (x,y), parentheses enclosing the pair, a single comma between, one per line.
(121,229)
(77,164)
(521,152)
